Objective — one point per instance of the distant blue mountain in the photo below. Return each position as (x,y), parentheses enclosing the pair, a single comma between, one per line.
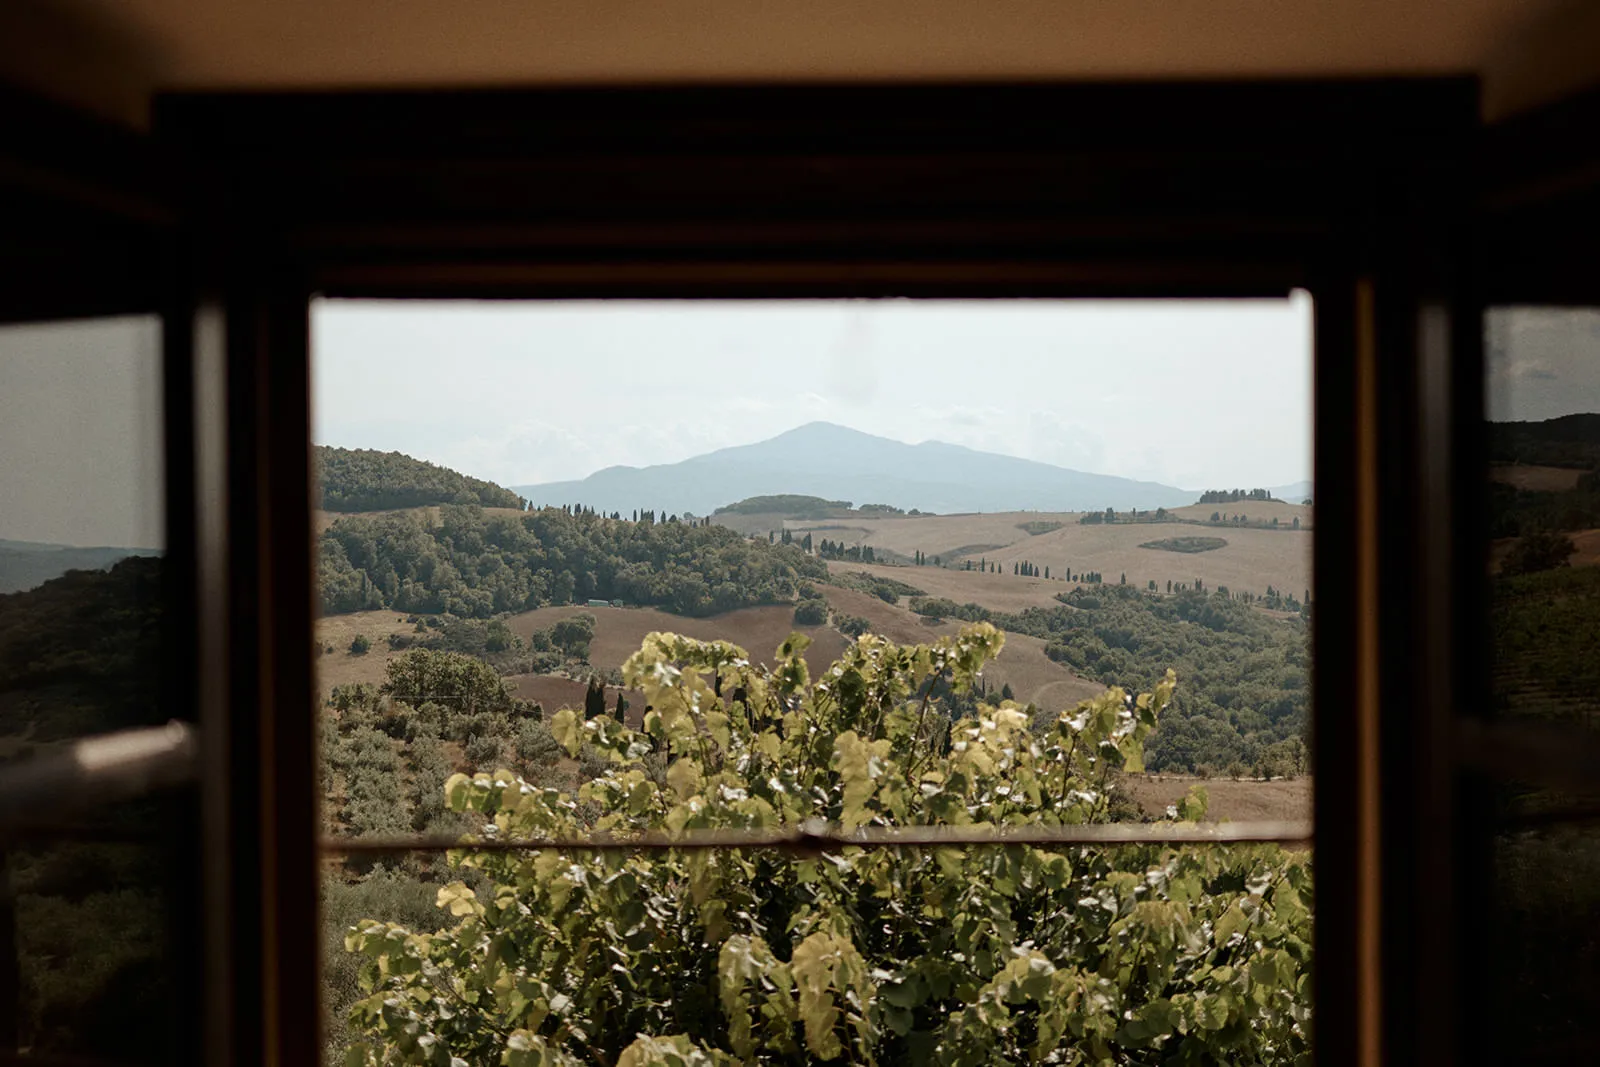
(27,564)
(838,463)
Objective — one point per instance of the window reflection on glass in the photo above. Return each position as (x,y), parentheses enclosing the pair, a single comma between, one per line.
(83,917)
(514,499)
(1542,965)
(1544,496)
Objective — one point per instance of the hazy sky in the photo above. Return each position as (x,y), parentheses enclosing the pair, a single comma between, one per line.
(1191,394)
(1542,362)
(80,433)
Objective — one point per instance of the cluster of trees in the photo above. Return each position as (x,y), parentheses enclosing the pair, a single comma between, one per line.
(1219,519)
(1540,550)
(1110,516)
(1130,955)
(1276,599)
(919,558)
(364,479)
(938,607)
(1569,441)
(799,506)
(1029,569)
(827,549)
(1245,674)
(888,590)
(787,537)
(81,654)
(1517,512)
(1289,758)
(852,625)
(1572,441)
(487,639)
(477,565)
(1233,496)
(811,610)
(648,516)
(387,752)
(594,700)
(1186,544)
(791,505)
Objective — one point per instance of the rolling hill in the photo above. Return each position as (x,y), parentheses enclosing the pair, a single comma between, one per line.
(27,564)
(826,460)
(364,479)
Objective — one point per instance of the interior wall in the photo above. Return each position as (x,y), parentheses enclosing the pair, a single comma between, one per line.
(1548,58)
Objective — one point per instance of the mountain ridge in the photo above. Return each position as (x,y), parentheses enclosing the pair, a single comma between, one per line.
(839,463)
(27,565)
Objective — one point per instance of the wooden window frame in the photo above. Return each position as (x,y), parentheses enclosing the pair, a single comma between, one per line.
(87,232)
(1360,191)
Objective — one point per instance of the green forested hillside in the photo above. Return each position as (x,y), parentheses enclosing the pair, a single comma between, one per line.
(365,479)
(1568,441)
(1245,689)
(791,504)
(80,655)
(475,564)
(1245,674)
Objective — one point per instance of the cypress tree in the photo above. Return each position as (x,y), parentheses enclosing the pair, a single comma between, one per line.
(594,699)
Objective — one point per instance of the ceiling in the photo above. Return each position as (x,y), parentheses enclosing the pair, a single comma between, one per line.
(112,54)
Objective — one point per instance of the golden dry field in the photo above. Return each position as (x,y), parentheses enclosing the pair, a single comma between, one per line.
(895,623)
(1535,479)
(1251,560)
(1246,800)
(997,592)
(1036,678)
(554,692)
(1268,510)
(1033,676)
(934,535)
(339,667)
(618,632)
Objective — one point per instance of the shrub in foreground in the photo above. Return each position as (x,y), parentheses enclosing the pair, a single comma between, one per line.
(998,954)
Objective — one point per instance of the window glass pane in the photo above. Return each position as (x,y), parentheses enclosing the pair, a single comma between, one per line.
(85,925)
(1544,496)
(1544,934)
(515,498)
(1542,970)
